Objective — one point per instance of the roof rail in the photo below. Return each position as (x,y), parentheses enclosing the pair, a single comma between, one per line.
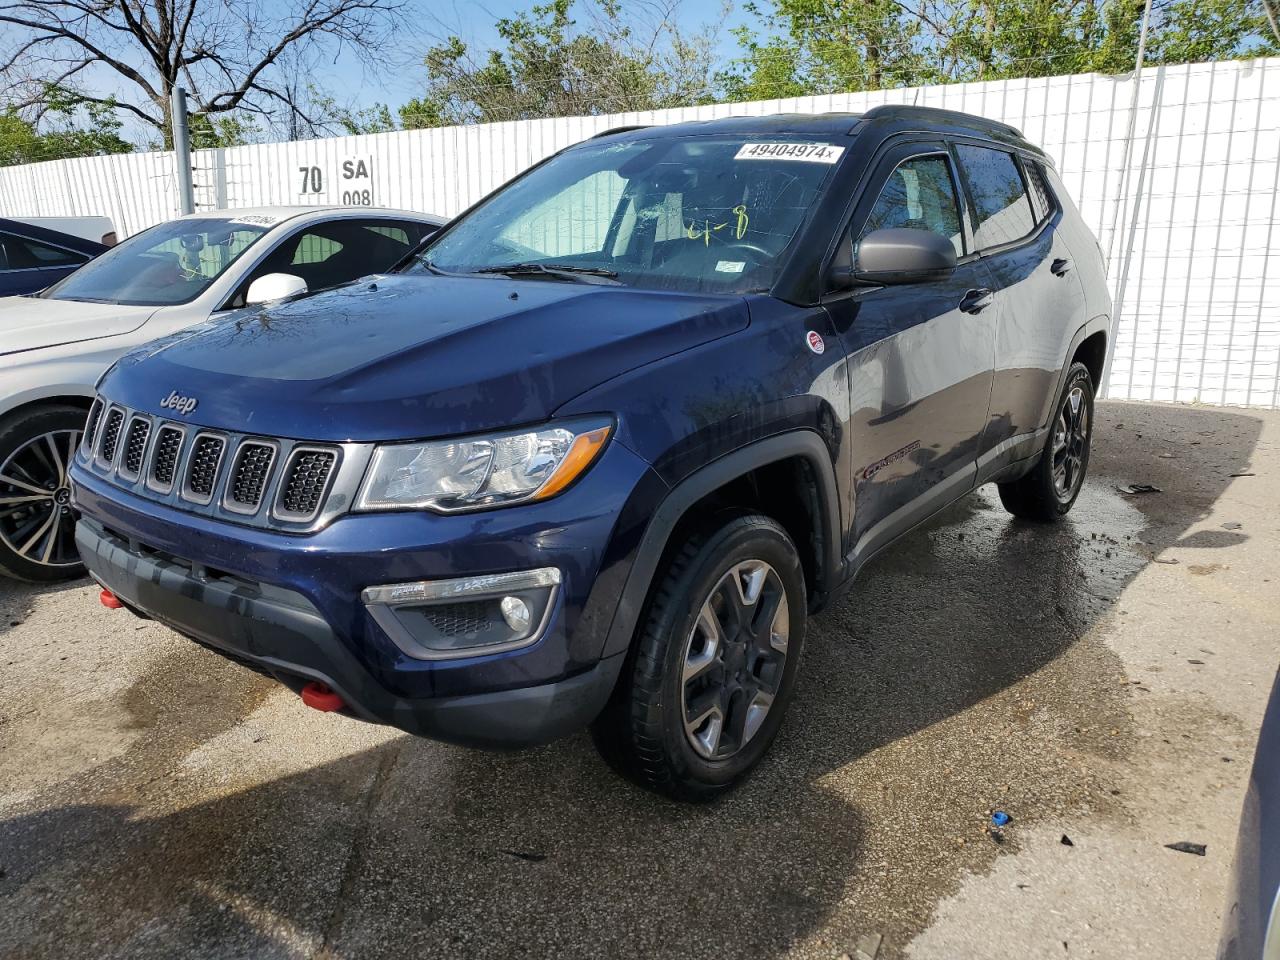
(891,111)
(626,129)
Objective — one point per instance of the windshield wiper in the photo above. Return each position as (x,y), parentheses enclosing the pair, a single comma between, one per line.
(559,271)
(431,267)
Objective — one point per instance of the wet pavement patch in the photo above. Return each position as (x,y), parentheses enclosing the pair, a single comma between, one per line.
(982,666)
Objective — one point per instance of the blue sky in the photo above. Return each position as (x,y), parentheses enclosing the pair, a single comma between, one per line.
(474,23)
(351,84)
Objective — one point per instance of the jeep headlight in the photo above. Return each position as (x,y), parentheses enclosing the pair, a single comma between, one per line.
(470,473)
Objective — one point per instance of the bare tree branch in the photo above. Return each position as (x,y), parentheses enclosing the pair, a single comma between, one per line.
(226,52)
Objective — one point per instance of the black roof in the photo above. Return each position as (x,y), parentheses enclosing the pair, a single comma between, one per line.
(900,117)
(817,124)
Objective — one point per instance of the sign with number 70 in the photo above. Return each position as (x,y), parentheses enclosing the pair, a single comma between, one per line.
(352,186)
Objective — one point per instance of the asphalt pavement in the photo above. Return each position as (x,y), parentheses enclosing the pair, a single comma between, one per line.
(1101,681)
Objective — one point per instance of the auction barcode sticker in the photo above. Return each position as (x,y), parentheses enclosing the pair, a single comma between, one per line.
(807,152)
(257,219)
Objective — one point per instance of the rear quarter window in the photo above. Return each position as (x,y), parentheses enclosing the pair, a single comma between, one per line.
(19,253)
(1042,202)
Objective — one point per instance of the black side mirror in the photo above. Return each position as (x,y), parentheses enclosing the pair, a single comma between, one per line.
(900,255)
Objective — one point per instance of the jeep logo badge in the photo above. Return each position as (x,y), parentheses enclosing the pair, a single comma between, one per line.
(175,401)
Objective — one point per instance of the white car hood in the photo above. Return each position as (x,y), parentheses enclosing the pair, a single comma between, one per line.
(29,323)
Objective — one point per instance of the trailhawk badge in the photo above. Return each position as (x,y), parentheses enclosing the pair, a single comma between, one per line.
(184,405)
(815,342)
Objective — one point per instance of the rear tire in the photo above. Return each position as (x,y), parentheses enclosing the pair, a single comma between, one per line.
(1050,489)
(713,665)
(37,527)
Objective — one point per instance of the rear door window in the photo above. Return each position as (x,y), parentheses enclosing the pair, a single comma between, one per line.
(1001,209)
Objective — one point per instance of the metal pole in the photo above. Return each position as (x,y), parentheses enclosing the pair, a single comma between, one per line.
(1124,185)
(182,150)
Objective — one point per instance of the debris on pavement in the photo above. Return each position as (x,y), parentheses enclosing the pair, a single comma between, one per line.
(525,855)
(1134,489)
(1244,475)
(1184,846)
(1232,525)
(867,947)
(1000,819)
(1066,841)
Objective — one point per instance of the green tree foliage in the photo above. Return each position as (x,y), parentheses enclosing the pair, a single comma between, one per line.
(220,130)
(824,46)
(330,118)
(552,65)
(68,131)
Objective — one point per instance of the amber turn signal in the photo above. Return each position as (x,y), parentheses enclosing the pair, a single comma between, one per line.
(581,455)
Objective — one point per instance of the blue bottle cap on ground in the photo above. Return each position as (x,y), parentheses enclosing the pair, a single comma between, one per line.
(1000,818)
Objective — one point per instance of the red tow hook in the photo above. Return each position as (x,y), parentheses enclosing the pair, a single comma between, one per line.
(317,696)
(110,600)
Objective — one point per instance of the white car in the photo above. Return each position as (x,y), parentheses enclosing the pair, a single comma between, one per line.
(54,345)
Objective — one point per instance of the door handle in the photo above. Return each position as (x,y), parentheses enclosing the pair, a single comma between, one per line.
(975,301)
(1060,267)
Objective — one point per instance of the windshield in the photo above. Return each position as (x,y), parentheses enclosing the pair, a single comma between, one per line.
(171,263)
(704,214)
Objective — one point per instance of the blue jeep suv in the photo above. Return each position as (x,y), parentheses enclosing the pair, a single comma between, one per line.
(595,452)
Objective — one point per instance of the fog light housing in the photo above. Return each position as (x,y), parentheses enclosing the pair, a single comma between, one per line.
(467,616)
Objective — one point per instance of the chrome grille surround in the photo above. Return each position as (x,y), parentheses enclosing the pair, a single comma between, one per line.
(249,476)
(246,465)
(203,460)
(135,447)
(107,444)
(91,426)
(166,453)
(305,481)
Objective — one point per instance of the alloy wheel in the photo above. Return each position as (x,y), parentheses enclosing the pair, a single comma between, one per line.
(734,660)
(36,521)
(1070,444)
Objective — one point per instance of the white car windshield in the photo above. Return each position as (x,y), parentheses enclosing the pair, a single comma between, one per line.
(168,264)
(705,214)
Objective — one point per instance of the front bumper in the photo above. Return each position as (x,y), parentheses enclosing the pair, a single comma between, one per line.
(279,633)
(290,606)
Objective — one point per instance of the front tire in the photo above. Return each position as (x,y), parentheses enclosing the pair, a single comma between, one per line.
(37,527)
(713,666)
(1050,489)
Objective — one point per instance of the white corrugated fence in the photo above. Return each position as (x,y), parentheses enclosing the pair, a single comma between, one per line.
(1195,215)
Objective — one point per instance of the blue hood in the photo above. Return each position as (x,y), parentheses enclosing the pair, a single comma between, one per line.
(409,357)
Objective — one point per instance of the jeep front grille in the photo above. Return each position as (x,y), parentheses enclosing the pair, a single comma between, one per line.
(202,467)
(306,478)
(249,475)
(164,462)
(135,445)
(292,485)
(91,425)
(111,435)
